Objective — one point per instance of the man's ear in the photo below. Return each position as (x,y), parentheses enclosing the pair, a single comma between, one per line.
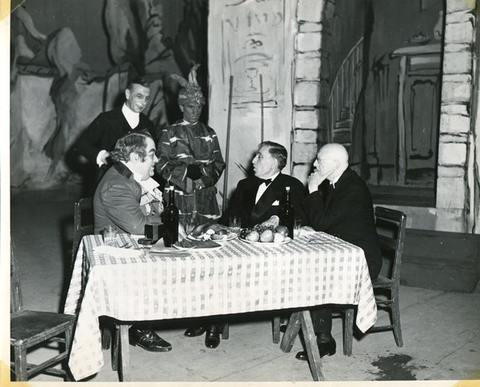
(181,108)
(134,157)
(127,94)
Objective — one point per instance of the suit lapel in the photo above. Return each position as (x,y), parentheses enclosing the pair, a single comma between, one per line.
(273,192)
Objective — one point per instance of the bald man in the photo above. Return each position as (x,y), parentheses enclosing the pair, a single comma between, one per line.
(339,203)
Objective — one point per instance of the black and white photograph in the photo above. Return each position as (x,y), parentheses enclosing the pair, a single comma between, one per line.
(240,191)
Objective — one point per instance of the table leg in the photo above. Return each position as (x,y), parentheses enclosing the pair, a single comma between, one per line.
(304,320)
(291,332)
(124,371)
(311,345)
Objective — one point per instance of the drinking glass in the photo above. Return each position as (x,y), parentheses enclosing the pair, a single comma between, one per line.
(297,228)
(109,235)
(235,224)
(189,224)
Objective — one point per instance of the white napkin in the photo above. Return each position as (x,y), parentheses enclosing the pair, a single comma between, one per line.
(118,252)
(307,231)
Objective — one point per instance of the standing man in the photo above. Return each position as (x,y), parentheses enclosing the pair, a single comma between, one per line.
(190,156)
(259,197)
(127,198)
(345,210)
(96,142)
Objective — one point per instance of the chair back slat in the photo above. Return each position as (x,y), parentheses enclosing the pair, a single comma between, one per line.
(391,226)
(16,300)
(82,222)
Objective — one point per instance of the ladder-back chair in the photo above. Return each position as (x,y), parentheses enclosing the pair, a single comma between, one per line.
(30,328)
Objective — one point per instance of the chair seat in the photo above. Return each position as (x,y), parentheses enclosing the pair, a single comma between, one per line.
(34,327)
(382,282)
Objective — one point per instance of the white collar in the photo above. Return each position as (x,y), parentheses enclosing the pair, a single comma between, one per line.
(185,122)
(148,184)
(132,118)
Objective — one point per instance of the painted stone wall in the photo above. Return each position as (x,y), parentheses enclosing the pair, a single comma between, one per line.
(253,43)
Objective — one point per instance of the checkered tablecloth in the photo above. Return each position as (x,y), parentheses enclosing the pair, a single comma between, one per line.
(236,278)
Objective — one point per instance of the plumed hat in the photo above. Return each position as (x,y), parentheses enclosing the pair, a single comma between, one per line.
(191,91)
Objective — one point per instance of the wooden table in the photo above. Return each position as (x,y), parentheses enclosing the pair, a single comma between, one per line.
(133,285)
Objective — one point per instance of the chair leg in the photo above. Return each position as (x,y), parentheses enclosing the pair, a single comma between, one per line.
(20,368)
(276,329)
(115,348)
(124,354)
(226,331)
(397,329)
(348,332)
(106,337)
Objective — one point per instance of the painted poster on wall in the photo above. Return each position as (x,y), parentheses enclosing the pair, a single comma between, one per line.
(252,41)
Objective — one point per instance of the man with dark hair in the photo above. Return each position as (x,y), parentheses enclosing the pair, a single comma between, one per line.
(339,203)
(258,198)
(96,142)
(127,198)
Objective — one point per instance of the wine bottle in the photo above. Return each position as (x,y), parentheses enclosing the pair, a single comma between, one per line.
(288,213)
(170,234)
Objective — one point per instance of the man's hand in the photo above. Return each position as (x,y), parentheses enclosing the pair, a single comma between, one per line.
(104,157)
(194,172)
(314,180)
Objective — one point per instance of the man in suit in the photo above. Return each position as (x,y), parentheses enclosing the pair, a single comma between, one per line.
(339,203)
(96,142)
(257,198)
(127,198)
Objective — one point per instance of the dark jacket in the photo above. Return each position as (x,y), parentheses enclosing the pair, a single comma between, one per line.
(104,132)
(242,202)
(349,216)
(117,202)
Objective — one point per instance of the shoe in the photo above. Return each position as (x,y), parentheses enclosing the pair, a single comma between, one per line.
(212,338)
(195,331)
(149,341)
(326,345)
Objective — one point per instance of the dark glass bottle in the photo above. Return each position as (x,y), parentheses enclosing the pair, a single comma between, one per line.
(287,213)
(170,233)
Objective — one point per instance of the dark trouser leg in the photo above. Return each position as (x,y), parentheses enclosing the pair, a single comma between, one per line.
(322,319)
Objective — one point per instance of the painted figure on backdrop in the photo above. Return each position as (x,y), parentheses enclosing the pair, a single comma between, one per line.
(339,203)
(127,198)
(99,139)
(190,157)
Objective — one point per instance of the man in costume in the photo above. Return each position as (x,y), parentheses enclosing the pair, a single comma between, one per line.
(127,198)
(191,161)
(190,157)
(339,203)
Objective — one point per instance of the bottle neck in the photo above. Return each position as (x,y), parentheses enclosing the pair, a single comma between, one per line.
(171,197)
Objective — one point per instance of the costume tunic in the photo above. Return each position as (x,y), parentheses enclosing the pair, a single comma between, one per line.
(183,144)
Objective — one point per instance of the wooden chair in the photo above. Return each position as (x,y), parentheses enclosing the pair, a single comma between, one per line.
(30,328)
(390,226)
(82,223)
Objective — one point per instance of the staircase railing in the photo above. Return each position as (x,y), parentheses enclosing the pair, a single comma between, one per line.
(344,95)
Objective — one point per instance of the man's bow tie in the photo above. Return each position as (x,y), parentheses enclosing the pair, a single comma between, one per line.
(266,181)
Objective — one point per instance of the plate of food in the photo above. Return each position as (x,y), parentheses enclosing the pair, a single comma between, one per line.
(188,244)
(221,236)
(213,231)
(259,243)
(266,235)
